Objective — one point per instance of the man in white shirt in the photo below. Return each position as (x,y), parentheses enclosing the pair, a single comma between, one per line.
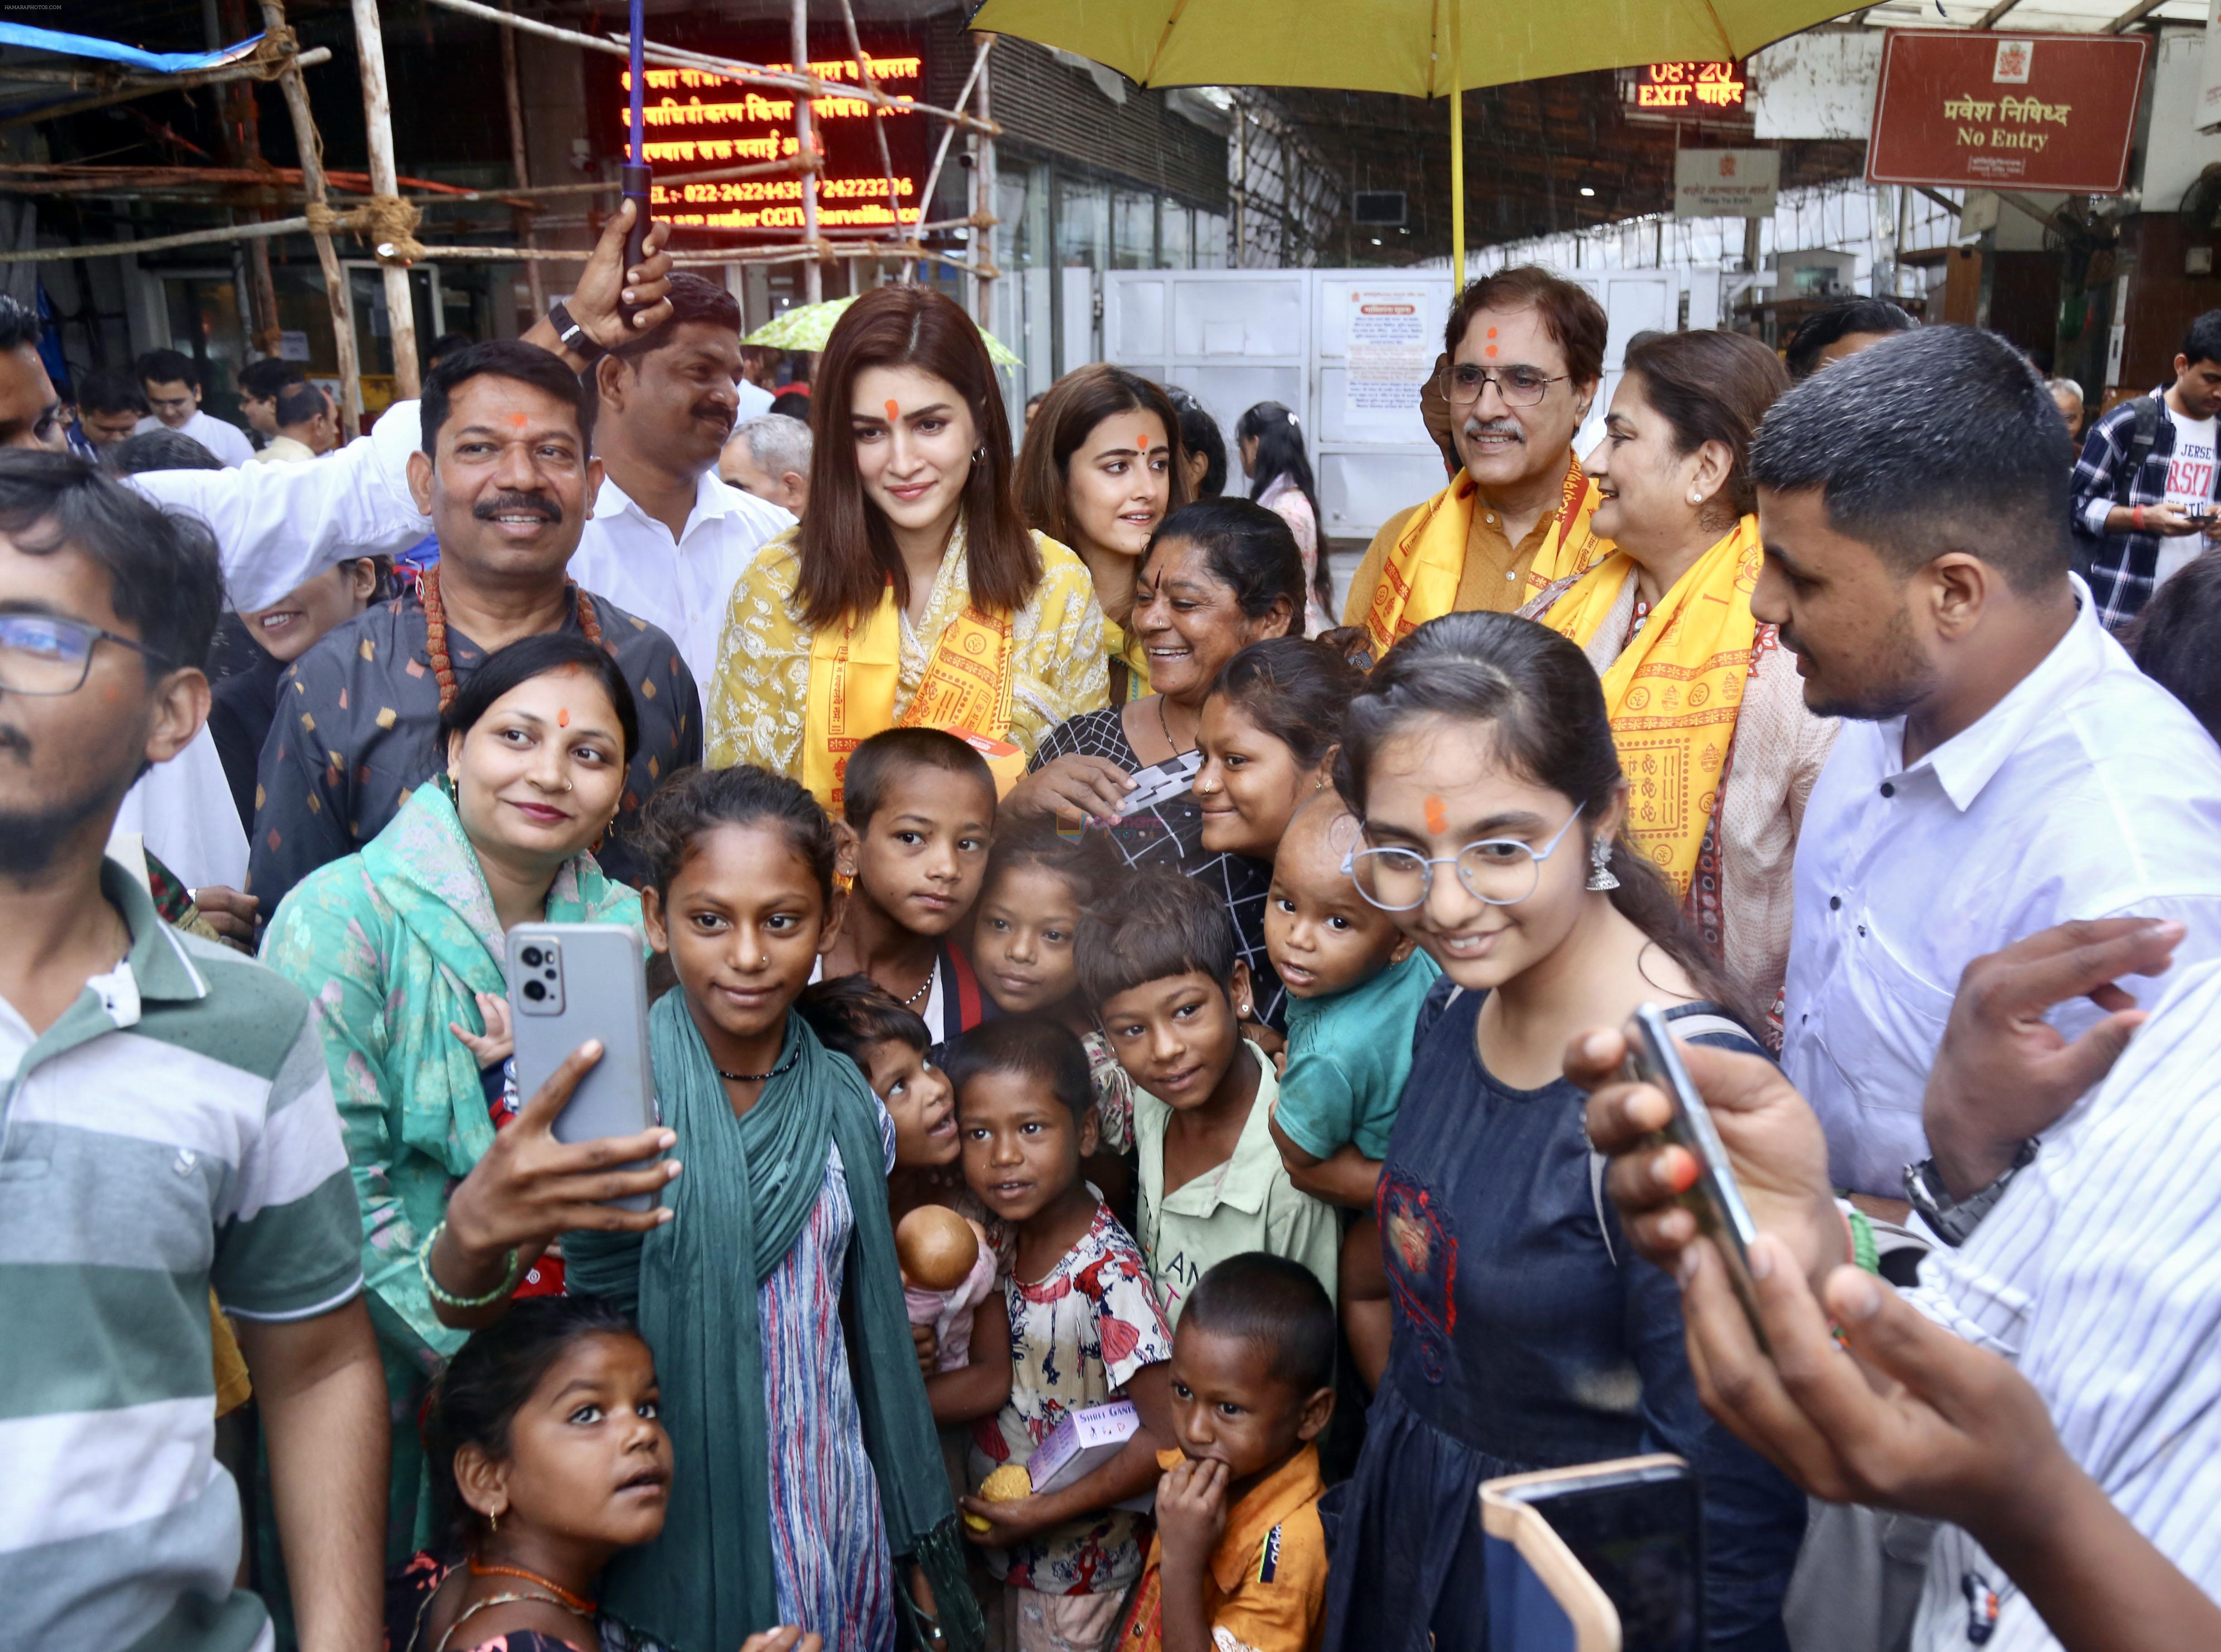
(172,380)
(669,539)
(2004,767)
(293,521)
(306,428)
(2096,1275)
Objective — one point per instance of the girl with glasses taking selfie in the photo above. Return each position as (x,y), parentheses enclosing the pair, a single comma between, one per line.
(1479,759)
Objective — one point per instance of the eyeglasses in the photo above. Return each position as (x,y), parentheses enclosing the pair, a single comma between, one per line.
(1499,871)
(1518,386)
(43,654)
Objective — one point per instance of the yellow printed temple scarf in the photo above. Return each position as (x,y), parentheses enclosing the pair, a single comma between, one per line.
(854,672)
(1419,577)
(1675,691)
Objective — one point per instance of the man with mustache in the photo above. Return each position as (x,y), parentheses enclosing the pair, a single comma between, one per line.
(1524,357)
(503,473)
(670,538)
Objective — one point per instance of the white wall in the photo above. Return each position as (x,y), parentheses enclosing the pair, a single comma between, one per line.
(2176,151)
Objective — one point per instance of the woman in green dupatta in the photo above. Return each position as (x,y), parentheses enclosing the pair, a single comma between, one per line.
(808,1485)
(400,946)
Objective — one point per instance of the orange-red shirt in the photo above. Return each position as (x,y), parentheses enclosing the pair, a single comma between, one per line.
(1267,1582)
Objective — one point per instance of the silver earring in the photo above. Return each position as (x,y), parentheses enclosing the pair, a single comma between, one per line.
(1601,878)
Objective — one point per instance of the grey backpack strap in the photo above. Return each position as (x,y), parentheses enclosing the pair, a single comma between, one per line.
(1685,1028)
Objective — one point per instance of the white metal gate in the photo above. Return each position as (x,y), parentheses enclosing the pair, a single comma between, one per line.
(1238,337)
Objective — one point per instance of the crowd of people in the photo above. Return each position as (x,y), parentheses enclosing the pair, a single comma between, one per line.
(1095,995)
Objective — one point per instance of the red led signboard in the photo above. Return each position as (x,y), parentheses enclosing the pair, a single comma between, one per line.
(1967,111)
(1696,89)
(699,122)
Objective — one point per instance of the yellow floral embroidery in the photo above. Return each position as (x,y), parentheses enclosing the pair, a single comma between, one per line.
(761,691)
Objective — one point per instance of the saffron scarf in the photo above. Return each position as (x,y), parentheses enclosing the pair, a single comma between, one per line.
(1675,691)
(707,1582)
(1420,576)
(855,668)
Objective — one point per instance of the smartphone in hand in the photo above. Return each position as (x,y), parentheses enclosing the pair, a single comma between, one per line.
(1713,1198)
(569,983)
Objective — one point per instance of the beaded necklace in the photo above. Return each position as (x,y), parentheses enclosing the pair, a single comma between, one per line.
(436,630)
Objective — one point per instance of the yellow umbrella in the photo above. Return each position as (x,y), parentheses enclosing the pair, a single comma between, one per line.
(1422,48)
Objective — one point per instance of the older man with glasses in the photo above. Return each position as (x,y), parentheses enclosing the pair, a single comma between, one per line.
(1523,359)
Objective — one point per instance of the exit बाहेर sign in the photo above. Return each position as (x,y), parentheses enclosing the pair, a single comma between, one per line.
(1968,111)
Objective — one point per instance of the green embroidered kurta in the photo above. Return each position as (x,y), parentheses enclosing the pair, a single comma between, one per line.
(390,945)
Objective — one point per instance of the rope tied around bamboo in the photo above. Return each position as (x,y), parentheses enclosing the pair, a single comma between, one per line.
(386,223)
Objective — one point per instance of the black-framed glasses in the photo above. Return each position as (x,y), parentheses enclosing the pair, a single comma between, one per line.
(1461,383)
(1499,870)
(44,653)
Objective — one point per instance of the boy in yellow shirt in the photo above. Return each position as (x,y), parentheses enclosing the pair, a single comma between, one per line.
(1239,1560)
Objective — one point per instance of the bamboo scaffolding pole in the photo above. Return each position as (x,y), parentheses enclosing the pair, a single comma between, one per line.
(879,130)
(393,258)
(981,277)
(813,273)
(518,163)
(793,166)
(254,68)
(63,178)
(672,57)
(980,50)
(311,143)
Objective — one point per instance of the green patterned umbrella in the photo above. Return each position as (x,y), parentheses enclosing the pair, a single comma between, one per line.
(806,327)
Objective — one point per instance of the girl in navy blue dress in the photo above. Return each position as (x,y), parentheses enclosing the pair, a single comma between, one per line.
(1527,1336)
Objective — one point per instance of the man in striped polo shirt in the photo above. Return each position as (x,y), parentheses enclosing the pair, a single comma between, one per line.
(166,1125)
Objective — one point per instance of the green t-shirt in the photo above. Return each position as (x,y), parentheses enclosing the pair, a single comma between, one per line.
(1348,1055)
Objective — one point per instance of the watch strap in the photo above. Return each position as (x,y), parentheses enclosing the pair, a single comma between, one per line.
(1955,1220)
(572,335)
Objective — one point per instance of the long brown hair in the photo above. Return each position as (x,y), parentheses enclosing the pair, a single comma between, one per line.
(1077,403)
(845,549)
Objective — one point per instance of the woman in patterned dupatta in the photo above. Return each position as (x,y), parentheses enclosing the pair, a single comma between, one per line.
(1706,706)
(912,594)
(400,949)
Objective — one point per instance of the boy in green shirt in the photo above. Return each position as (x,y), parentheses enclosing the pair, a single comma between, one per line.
(1162,966)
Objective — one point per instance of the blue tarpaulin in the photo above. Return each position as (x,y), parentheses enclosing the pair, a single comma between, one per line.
(87,46)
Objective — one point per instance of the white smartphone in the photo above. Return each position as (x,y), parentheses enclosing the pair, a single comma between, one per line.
(1714,1199)
(570,982)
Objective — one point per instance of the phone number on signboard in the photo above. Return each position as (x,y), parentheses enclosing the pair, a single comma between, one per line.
(784,189)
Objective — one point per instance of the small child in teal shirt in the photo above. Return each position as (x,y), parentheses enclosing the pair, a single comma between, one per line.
(1354,984)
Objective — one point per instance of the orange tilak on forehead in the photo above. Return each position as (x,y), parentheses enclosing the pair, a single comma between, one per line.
(894,408)
(1142,441)
(517,420)
(563,716)
(1438,815)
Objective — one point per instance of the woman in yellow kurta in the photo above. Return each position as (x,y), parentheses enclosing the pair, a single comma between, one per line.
(910,594)
(1706,707)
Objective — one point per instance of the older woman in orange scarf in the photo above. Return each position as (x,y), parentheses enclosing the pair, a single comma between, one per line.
(1706,705)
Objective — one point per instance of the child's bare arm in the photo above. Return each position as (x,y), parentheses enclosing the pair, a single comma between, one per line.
(982,1388)
(1191,1519)
(1347,1177)
(1129,1474)
(498,1043)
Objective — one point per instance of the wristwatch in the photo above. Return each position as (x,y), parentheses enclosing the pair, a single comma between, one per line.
(1955,1220)
(574,335)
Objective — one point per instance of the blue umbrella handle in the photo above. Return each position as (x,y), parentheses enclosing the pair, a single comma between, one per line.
(637,178)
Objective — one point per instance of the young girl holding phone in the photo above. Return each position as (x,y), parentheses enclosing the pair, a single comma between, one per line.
(804,1471)
(1479,759)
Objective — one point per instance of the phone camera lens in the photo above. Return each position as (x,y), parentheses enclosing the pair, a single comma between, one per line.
(534,991)
(532,957)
